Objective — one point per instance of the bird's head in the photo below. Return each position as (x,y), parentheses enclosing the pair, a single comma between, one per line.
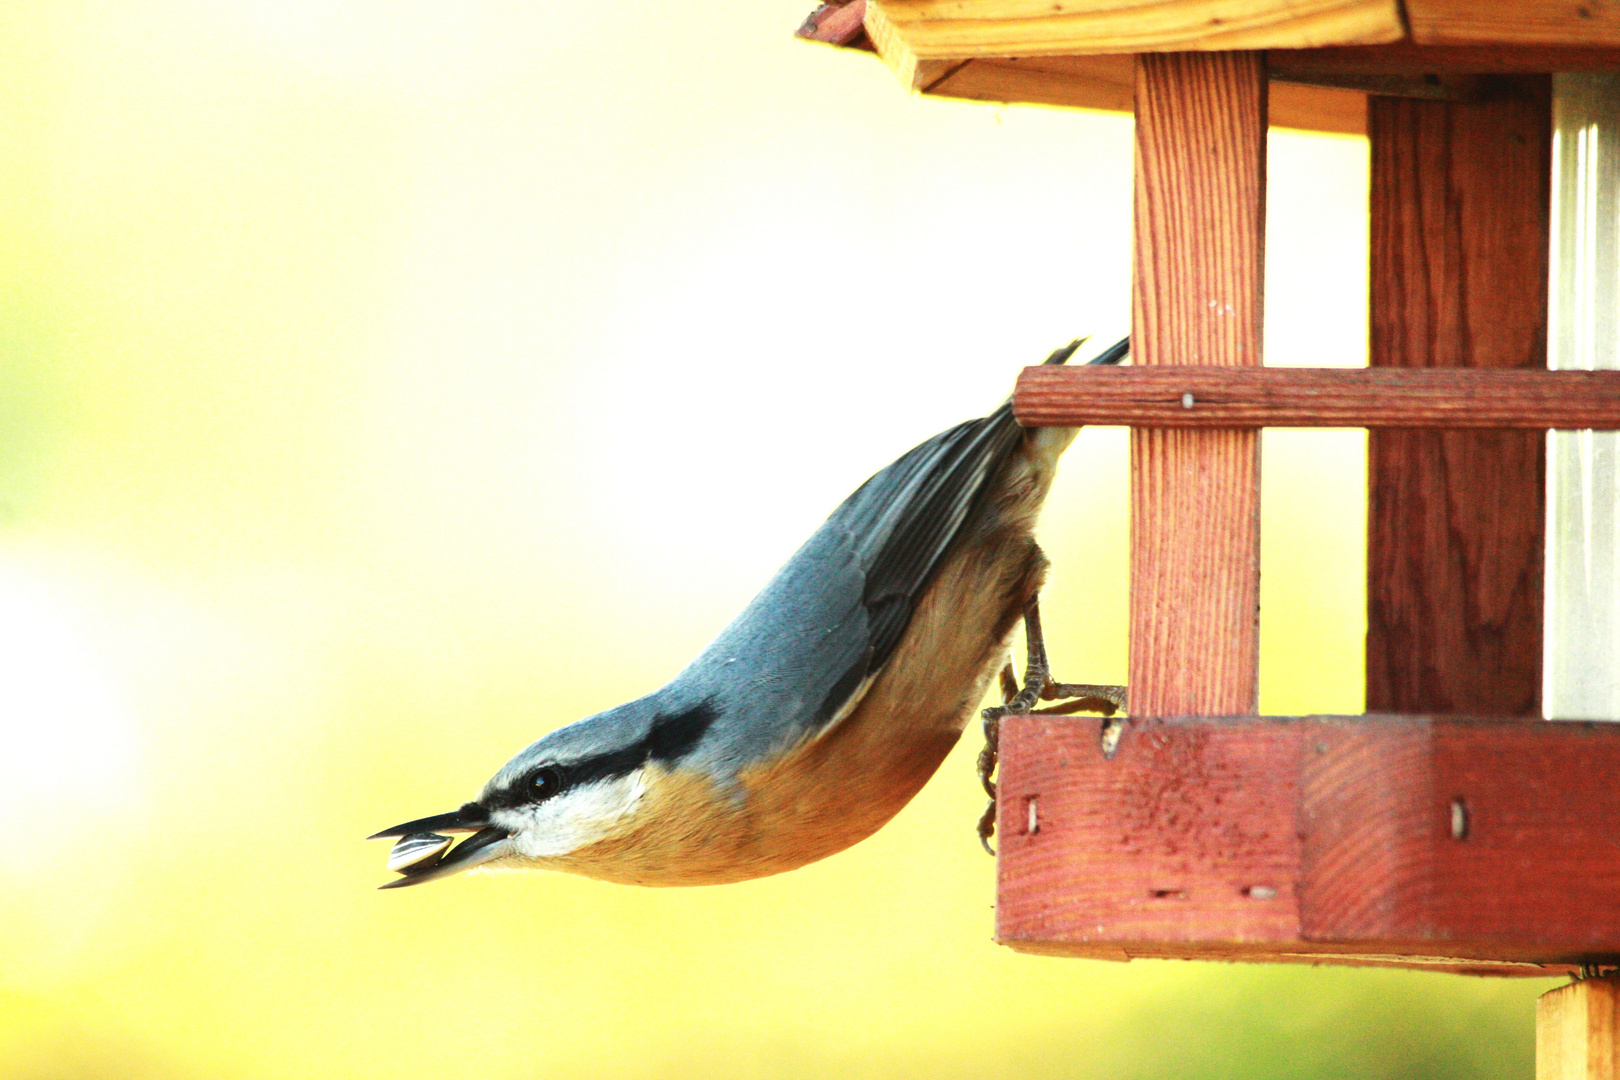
(574,788)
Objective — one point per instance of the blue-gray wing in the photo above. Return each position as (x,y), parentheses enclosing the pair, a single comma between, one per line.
(829,620)
(918,507)
(832,616)
(904,520)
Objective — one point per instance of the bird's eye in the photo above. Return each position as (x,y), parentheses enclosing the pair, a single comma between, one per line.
(545,783)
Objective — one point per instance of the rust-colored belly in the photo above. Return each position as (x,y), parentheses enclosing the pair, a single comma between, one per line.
(838,788)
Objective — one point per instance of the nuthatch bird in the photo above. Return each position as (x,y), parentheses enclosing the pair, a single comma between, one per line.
(821,710)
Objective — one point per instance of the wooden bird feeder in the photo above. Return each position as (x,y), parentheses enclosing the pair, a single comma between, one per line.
(1450,828)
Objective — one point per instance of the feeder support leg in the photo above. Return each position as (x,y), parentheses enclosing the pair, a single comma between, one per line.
(1578,1031)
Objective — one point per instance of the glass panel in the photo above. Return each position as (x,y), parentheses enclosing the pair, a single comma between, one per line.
(1583,572)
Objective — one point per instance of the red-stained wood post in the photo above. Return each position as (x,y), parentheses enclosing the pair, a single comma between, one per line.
(1460,211)
(1199,268)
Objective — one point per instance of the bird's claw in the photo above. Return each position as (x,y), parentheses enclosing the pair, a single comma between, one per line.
(987,827)
(1039,686)
(1087,697)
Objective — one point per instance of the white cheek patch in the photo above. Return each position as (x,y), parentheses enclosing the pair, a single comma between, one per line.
(573,819)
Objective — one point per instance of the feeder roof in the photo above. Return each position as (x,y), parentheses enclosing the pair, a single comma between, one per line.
(1325,54)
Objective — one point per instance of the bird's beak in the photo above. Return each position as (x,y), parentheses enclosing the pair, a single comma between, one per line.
(470,818)
(422,854)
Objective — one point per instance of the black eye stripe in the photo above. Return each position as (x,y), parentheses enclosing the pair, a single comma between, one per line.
(669,738)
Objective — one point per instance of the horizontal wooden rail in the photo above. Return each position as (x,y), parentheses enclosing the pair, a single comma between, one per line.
(1488,846)
(1206,397)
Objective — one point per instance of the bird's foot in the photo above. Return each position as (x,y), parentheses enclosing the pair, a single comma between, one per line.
(1071,698)
(1039,686)
(1013,700)
(1081,697)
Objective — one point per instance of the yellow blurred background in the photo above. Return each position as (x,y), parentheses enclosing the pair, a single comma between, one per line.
(384,384)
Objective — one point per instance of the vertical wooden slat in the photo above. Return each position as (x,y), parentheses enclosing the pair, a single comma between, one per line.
(1459,279)
(1199,266)
(1578,1031)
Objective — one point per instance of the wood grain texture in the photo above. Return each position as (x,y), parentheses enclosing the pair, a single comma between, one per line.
(1531,22)
(1455,519)
(1405,58)
(1457,398)
(1578,1031)
(1199,269)
(891,45)
(1367,788)
(939,29)
(1380,806)
(1178,832)
(1199,255)
(1108,82)
(1318,839)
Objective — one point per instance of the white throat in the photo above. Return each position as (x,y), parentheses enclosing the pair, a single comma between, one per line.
(573,819)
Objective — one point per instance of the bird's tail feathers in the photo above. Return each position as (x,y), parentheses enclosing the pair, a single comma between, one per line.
(1116,352)
(1061,356)
(1044,445)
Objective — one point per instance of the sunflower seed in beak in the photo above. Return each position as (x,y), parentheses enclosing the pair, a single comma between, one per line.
(414,850)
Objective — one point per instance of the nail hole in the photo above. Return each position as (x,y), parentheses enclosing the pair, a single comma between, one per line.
(1260,892)
(1459,819)
(1113,730)
(1169,894)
